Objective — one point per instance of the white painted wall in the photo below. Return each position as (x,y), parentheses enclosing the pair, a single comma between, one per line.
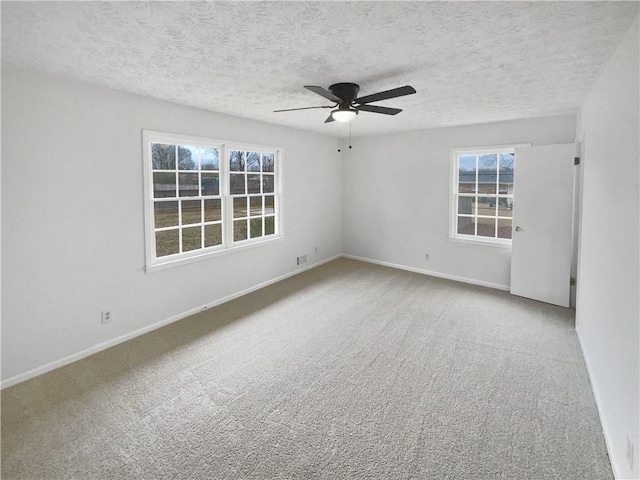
(396,197)
(73,233)
(72,216)
(607,315)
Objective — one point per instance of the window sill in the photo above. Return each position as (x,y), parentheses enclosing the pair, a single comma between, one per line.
(480,242)
(164,265)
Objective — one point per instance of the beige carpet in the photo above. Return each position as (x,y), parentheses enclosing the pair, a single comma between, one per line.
(349,370)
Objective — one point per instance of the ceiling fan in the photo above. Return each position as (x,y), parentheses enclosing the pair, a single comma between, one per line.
(345,97)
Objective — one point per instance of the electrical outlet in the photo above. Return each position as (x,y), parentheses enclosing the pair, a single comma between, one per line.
(106,316)
(630,453)
(426,256)
(301,259)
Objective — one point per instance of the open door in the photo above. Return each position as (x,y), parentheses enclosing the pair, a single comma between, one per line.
(542,223)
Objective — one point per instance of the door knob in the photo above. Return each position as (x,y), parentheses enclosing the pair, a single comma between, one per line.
(516,228)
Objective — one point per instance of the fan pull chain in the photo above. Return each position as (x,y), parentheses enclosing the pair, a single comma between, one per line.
(349,135)
(340,143)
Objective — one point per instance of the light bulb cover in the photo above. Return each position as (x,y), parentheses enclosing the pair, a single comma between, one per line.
(344,114)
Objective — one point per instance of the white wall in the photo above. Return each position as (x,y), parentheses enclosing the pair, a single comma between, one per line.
(608,313)
(396,197)
(72,217)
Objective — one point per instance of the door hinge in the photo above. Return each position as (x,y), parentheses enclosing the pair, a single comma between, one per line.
(576,160)
(572,281)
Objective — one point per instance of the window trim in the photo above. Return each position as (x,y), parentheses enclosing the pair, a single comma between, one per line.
(153,263)
(453,187)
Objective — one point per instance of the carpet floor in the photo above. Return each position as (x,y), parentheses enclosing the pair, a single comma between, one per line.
(348,370)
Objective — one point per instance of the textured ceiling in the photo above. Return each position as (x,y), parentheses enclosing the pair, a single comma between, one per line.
(470,62)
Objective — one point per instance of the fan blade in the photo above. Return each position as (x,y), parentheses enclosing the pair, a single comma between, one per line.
(303,108)
(377,109)
(329,119)
(393,93)
(324,93)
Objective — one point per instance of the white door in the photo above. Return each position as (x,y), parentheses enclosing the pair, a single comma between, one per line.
(542,223)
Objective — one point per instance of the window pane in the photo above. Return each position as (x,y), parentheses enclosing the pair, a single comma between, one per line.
(188,184)
(166,214)
(191,212)
(269,204)
(506,165)
(163,157)
(256,227)
(505,188)
(505,206)
(191,238)
(239,207)
(269,225)
(253,183)
(237,184)
(164,185)
(253,162)
(213,235)
(488,162)
(267,183)
(485,184)
(166,243)
(187,158)
(486,227)
(239,230)
(484,194)
(466,225)
(504,228)
(210,183)
(255,206)
(467,205)
(267,162)
(236,161)
(507,162)
(210,158)
(467,163)
(212,210)
(467,173)
(487,206)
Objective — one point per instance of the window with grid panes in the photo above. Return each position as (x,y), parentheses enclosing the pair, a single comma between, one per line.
(483,194)
(252,179)
(199,204)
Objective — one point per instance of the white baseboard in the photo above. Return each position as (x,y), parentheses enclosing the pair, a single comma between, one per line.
(596,396)
(22,377)
(430,273)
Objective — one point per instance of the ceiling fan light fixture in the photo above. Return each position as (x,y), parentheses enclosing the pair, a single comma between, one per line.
(344,114)
(345,97)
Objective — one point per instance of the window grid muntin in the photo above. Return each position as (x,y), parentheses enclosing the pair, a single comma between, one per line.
(263,174)
(181,199)
(219,216)
(456,215)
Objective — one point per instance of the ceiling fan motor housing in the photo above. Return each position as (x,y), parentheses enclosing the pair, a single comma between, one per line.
(348,92)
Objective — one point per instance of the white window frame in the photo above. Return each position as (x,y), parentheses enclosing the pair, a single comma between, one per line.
(153,263)
(454,195)
(229,204)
